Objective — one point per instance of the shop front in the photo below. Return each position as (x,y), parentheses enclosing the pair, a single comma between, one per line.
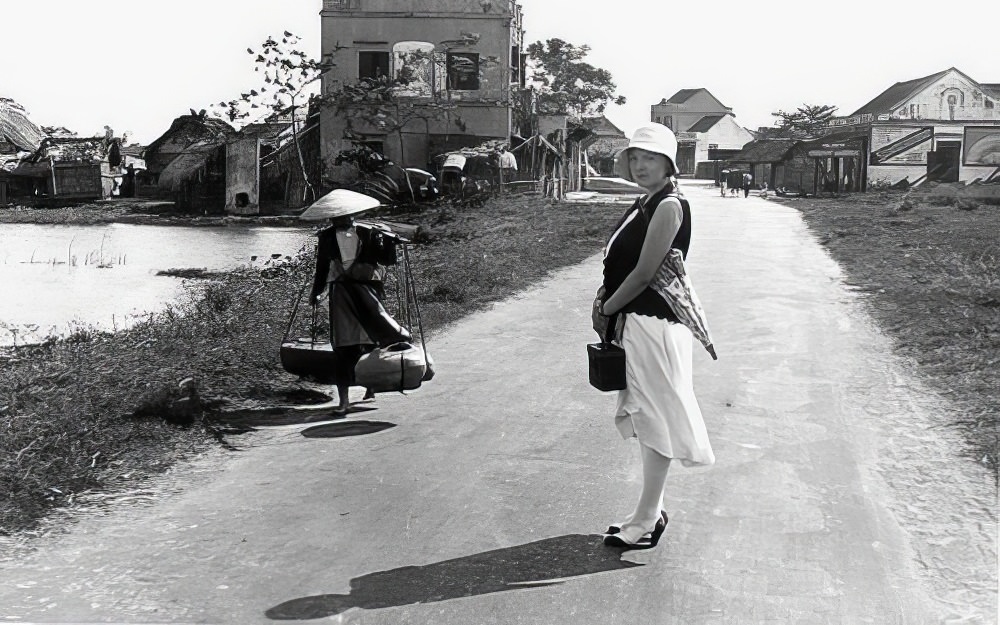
(838,162)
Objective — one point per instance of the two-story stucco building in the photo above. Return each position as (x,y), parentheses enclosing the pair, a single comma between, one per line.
(463,55)
(701,123)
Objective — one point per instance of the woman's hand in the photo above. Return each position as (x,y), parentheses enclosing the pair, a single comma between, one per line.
(598,319)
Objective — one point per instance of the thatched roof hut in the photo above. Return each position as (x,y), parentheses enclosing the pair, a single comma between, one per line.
(187,133)
(17,132)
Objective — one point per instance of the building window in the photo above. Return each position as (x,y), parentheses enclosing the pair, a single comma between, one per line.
(515,65)
(372,64)
(668,121)
(375,144)
(463,71)
(414,68)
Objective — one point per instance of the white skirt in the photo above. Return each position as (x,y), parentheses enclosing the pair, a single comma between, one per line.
(658,405)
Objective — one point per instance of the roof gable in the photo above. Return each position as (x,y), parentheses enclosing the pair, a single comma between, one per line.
(705,123)
(901,92)
(684,96)
(602,126)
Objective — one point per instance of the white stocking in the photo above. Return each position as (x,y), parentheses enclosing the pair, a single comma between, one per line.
(647,511)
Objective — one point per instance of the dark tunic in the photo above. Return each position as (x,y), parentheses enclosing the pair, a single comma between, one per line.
(623,253)
(358,320)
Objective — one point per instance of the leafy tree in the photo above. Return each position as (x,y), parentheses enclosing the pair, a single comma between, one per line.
(288,75)
(804,121)
(568,84)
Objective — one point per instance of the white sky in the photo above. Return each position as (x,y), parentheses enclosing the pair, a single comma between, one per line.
(136,66)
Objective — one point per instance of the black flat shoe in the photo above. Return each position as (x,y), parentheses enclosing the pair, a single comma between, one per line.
(661,525)
(614,540)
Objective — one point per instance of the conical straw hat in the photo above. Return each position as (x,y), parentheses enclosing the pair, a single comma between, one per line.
(339,203)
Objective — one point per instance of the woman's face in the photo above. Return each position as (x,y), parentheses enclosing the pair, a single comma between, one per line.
(648,169)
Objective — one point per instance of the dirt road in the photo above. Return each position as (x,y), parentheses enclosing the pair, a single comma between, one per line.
(839,495)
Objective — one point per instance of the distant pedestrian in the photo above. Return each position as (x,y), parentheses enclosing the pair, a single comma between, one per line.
(508,165)
(722,181)
(747,183)
(658,406)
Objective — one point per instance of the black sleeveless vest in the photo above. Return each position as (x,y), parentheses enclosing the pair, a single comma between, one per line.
(623,254)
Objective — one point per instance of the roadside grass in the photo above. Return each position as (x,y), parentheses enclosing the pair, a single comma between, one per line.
(929,265)
(98,412)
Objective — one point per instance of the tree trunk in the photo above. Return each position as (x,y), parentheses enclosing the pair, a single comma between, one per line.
(309,190)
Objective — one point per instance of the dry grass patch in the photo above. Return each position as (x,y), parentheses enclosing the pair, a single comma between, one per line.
(931,270)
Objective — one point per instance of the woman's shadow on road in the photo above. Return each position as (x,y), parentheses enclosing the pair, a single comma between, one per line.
(542,563)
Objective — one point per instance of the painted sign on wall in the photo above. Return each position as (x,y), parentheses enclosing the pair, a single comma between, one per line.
(854,120)
(904,146)
(900,145)
(981,146)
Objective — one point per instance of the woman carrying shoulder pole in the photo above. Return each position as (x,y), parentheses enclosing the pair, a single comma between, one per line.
(349,262)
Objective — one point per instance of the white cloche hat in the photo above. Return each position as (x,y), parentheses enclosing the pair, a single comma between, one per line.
(651,137)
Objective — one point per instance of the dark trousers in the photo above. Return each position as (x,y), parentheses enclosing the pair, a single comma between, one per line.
(347,358)
(354,304)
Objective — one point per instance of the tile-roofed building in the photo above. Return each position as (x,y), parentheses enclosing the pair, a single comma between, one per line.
(943,127)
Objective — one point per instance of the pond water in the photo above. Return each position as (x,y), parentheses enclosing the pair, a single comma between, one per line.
(54,277)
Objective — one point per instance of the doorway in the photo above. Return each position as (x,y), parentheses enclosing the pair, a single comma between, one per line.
(943,163)
(686,159)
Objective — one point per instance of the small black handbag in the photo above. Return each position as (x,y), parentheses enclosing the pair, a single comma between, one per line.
(607,362)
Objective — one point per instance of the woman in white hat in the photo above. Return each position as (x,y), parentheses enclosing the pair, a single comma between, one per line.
(350,259)
(658,406)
